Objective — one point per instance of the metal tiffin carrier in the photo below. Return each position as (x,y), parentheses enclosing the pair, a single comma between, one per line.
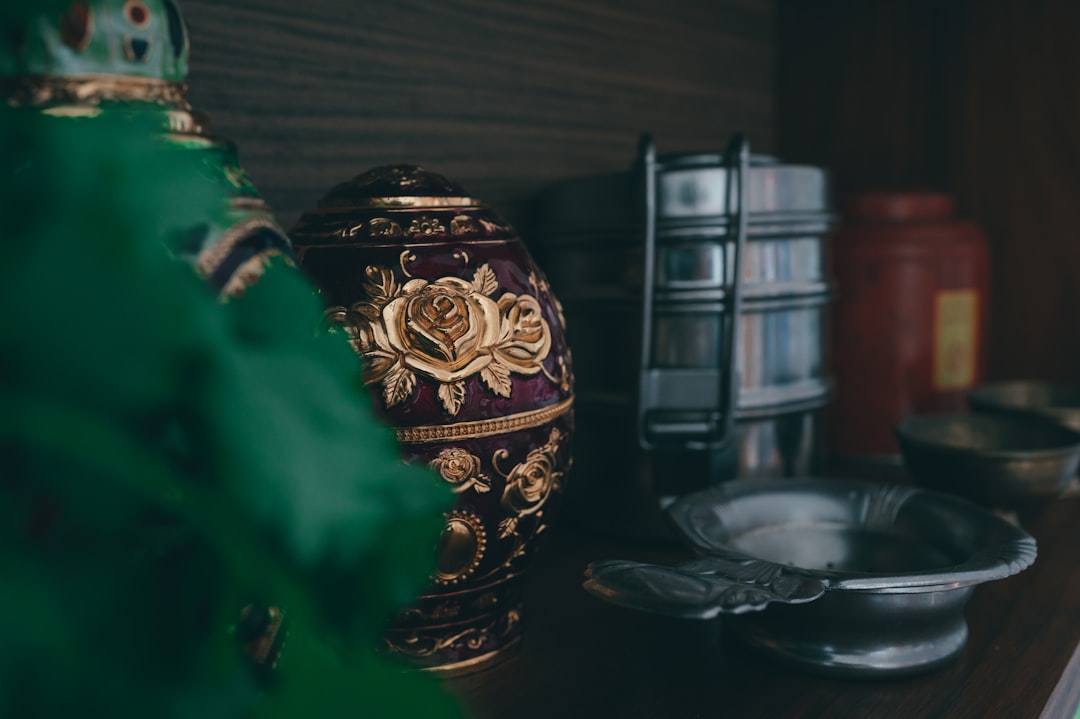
(695,289)
(690,311)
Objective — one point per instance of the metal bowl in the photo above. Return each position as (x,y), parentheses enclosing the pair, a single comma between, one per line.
(894,565)
(1059,402)
(996,460)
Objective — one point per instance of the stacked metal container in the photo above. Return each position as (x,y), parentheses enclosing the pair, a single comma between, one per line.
(695,292)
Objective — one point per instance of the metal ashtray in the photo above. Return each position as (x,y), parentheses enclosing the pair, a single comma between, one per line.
(996,460)
(1059,402)
(844,577)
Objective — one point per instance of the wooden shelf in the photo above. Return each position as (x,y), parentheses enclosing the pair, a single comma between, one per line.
(583,658)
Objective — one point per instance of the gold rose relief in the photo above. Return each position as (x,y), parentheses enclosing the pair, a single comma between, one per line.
(530,483)
(446,331)
(461,470)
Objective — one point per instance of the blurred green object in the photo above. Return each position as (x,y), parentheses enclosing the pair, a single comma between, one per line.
(128,59)
(167,460)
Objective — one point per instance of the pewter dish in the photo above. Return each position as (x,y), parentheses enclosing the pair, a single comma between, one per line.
(1059,402)
(896,565)
(997,460)
(699,589)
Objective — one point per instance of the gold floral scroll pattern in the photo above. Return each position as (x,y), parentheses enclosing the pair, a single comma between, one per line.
(473,638)
(540,285)
(463,225)
(530,483)
(461,470)
(426,227)
(564,378)
(447,330)
(384,227)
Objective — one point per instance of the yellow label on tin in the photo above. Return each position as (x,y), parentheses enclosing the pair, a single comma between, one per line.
(956,318)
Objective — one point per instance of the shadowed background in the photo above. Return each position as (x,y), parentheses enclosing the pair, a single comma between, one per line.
(975,97)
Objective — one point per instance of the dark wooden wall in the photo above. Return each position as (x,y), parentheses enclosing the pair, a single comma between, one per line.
(974,96)
(503,96)
(978,97)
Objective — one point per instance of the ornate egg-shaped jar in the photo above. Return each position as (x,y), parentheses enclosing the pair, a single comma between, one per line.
(130,57)
(463,350)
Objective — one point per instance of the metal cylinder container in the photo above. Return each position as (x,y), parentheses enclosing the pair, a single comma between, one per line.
(695,293)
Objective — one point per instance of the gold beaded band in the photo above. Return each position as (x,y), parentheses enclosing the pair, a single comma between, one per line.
(47,90)
(483,427)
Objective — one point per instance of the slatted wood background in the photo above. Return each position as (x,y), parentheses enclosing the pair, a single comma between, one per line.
(978,97)
(503,96)
(974,96)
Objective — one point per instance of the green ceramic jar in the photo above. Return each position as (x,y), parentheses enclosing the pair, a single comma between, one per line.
(131,56)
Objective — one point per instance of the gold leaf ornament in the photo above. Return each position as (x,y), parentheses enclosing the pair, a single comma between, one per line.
(379,283)
(496,377)
(508,527)
(452,395)
(378,363)
(484,280)
(397,385)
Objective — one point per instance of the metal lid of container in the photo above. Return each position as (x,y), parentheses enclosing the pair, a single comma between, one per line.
(695,185)
(691,191)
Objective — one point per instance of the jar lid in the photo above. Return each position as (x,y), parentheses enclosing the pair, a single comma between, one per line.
(401,204)
(398,186)
(898,205)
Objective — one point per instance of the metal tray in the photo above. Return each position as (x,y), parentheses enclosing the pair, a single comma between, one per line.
(844,577)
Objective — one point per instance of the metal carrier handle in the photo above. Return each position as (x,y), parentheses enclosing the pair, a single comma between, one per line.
(692,408)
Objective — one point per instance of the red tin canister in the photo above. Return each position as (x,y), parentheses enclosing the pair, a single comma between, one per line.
(909,320)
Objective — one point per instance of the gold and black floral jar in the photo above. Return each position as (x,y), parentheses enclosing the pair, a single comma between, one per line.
(462,346)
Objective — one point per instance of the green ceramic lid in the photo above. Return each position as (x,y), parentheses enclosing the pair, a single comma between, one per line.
(128,38)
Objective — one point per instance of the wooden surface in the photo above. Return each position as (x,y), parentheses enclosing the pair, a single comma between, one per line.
(503,96)
(976,97)
(584,658)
